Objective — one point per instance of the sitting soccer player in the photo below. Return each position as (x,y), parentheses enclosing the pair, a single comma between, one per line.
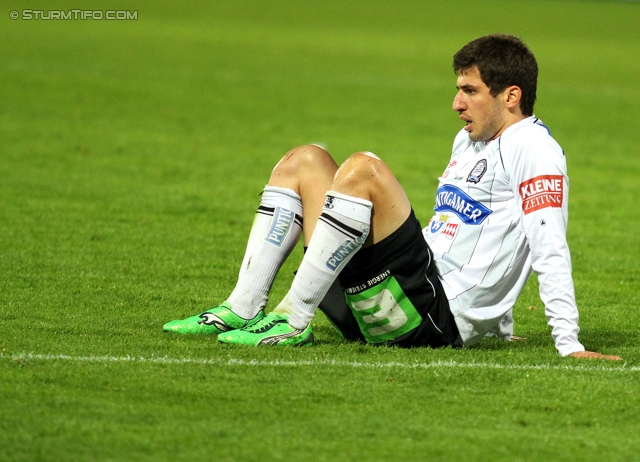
(500,213)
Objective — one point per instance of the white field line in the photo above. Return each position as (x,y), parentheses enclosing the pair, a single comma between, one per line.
(322,362)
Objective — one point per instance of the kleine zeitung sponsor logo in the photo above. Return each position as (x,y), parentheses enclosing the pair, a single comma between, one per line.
(541,192)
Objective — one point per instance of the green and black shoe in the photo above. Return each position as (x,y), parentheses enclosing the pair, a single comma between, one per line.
(213,321)
(273,329)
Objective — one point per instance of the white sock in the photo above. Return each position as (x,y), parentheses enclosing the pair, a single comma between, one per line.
(274,233)
(341,230)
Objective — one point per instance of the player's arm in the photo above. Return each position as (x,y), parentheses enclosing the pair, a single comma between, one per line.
(540,183)
(594,355)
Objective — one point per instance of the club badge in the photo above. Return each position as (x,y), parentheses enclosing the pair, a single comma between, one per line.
(478,171)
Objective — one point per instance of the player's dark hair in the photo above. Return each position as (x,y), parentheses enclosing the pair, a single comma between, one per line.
(502,60)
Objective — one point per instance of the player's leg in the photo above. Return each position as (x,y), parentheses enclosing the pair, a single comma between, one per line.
(365,176)
(308,171)
(365,205)
(296,188)
(302,176)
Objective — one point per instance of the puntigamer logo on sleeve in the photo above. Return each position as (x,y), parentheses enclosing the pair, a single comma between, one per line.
(540,192)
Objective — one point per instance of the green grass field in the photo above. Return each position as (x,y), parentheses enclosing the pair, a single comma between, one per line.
(131,157)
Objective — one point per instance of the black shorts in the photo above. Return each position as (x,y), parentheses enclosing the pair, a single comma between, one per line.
(390,294)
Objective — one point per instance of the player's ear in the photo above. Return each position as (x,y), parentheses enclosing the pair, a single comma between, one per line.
(512,96)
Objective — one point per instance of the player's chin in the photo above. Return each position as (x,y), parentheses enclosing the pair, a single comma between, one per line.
(474,136)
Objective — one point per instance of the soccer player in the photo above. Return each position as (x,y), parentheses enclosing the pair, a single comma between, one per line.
(500,213)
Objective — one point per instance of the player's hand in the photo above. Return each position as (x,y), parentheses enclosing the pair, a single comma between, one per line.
(593,355)
(515,338)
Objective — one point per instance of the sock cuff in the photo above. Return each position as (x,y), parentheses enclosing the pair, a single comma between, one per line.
(352,207)
(346,197)
(275,196)
(286,191)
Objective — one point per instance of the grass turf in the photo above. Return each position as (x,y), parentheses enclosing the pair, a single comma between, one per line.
(131,156)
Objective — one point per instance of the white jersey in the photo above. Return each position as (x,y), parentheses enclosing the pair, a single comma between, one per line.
(501,212)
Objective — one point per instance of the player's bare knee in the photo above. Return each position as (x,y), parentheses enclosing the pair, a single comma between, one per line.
(361,167)
(303,157)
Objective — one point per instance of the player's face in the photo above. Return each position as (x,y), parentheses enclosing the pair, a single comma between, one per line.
(483,114)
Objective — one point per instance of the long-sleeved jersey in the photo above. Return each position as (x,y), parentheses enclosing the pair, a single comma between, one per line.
(501,212)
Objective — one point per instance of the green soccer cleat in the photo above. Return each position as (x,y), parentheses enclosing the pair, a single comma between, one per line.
(213,321)
(273,329)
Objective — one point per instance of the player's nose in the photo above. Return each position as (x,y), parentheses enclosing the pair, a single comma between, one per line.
(458,102)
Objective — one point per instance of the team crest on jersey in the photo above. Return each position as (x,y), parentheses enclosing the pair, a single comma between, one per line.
(452,199)
(478,171)
(541,192)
